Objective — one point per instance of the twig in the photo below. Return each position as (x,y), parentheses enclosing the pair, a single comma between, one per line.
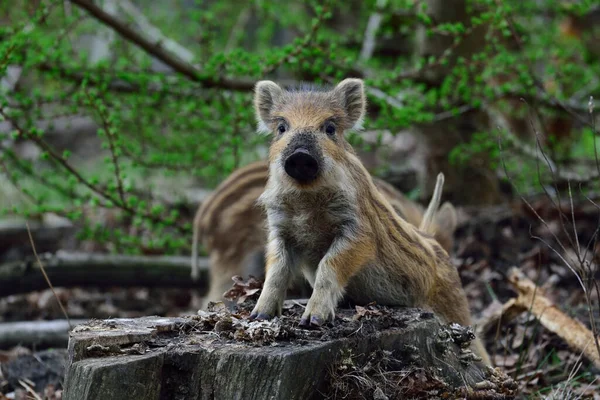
(29,389)
(546,100)
(538,83)
(453,113)
(46,276)
(94,188)
(528,204)
(555,181)
(535,153)
(154,33)
(523,148)
(111,146)
(585,268)
(307,41)
(380,94)
(155,49)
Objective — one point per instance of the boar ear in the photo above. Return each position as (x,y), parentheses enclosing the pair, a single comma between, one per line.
(447,218)
(446,222)
(351,93)
(267,95)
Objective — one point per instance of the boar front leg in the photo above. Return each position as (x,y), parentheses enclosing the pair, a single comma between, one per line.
(344,258)
(279,275)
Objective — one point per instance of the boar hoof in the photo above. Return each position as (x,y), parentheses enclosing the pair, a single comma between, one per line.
(314,322)
(259,316)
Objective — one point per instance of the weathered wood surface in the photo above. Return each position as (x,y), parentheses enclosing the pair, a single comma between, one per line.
(100,270)
(220,355)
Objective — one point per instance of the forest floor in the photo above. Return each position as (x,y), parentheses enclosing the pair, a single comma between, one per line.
(488,243)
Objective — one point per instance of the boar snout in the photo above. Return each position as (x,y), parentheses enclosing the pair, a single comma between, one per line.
(302,166)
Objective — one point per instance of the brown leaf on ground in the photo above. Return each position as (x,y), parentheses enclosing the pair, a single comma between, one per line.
(365,311)
(242,290)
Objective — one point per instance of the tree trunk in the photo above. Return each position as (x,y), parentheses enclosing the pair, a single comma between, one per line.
(474,183)
(218,355)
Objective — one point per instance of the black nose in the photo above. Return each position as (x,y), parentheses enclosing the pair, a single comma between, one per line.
(302,166)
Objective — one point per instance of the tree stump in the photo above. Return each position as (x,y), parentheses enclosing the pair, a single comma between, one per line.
(220,354)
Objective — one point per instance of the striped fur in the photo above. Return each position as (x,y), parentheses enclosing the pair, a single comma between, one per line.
(327,221)
(231,226)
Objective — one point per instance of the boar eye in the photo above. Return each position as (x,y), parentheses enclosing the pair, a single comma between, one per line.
(329,128)
(281,128)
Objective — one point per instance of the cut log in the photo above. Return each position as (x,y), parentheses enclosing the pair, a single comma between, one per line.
(223,355)
(100,270)
(36,333)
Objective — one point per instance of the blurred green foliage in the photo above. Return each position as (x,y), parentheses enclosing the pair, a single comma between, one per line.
(154,121)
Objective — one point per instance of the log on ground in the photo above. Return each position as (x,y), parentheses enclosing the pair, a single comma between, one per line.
(220,354)
(66,269)
(38,334)
(49,235)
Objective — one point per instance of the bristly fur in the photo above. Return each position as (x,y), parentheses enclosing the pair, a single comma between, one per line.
(232,228)
(303,88)
(336,229)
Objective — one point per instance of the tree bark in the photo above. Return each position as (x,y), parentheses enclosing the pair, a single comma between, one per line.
(474,183)
(218,355)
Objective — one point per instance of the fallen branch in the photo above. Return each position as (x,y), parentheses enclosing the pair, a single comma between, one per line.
(573,332)
(36,333)
(497,314)
(100,270)
(48,233)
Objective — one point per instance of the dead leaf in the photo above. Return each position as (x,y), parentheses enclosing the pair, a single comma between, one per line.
(365,311)
(243,290)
